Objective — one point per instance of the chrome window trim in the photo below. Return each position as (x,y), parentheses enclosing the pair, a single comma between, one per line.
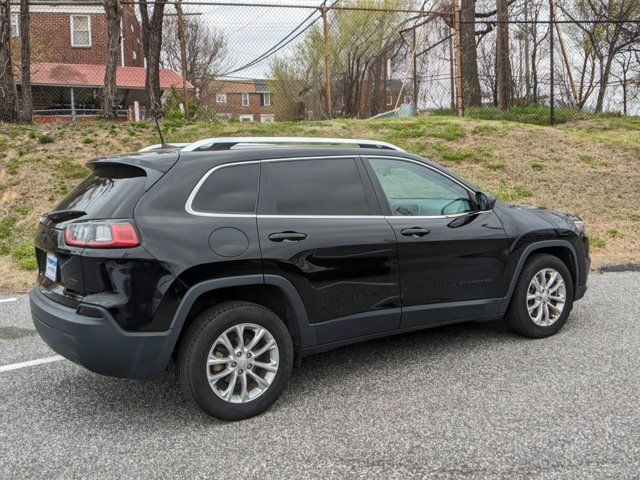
(189,203)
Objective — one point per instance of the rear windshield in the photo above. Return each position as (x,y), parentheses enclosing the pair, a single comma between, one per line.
(109,192)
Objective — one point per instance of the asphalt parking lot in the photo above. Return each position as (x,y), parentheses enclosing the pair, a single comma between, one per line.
(466,401)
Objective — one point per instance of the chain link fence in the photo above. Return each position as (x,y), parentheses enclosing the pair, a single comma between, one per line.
(265,61)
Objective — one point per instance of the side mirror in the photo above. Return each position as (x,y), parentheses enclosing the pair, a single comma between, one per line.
(485,201)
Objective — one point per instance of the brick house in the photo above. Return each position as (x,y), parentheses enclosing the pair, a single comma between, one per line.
(239,99)
(78,34)
(69,47)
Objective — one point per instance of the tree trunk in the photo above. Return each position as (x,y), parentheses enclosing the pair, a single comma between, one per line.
(152,46)
(503,63)
(471,93)
(26,110)
(113,12)
(8,111)
(606,71)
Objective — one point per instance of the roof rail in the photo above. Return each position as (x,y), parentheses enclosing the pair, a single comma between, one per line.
(162,146)
(226,143)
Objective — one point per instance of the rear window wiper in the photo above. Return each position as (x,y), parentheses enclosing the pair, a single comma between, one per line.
(58,216)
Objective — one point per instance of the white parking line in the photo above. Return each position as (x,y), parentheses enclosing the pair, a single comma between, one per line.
(7,300)
(30,363)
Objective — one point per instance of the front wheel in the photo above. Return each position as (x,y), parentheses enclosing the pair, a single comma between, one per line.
(542,299)
(235,360)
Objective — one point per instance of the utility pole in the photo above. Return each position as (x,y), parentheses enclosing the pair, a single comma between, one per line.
(452,73)
(552,106)
(565,56)
(415,73)
(456,26)
(183,55)
(327,72)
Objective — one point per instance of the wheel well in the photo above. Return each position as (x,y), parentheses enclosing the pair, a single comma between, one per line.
(564,254)
(268,296)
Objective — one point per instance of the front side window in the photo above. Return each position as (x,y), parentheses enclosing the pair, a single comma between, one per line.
(330,186)
(221,98)
(245,99)
(415,190)
(266,99)
(231,190)
(15,25)
(80,31)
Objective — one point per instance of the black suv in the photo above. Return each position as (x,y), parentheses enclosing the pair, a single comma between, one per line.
(239,256)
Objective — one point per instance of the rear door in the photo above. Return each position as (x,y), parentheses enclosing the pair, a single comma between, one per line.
(320,227)
(451,257)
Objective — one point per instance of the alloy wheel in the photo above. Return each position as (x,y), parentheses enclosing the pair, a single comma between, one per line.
(242,363)
(546,297)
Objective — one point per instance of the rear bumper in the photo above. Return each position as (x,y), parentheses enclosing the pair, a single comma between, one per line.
(99,344)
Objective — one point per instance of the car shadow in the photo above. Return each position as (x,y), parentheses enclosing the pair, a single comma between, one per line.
(92,395)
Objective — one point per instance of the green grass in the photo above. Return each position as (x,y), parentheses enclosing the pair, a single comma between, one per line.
(614,233)
(512,194)
(496,165)
(529,114)
(593,161)
(45,138)
(596,242)
(538,165)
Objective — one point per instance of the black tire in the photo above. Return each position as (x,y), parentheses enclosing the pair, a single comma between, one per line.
(517,317)
(199,339)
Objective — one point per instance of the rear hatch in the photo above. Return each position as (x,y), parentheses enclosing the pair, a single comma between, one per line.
(111,191)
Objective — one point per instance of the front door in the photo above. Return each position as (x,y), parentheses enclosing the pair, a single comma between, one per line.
(451,257)
(320,227)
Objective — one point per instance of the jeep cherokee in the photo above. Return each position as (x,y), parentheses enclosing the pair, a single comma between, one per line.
(239,261)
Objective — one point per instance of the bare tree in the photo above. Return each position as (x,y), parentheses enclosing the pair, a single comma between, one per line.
(8,111)
(26,108)
(113,10)
(503,63)
(206,50)
(152,47)
(471,93)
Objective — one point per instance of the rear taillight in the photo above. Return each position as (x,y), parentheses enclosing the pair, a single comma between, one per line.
(101,235)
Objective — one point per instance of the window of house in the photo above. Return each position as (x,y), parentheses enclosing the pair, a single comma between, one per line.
(266,99)
(223,116)
(232,189)
(221,98)
(80,31)
(300,187)
(389,99)
(15,25)
(246,118)
(267,118)
(245,99)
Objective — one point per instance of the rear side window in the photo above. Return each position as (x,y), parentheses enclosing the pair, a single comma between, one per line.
(232,189)
(329,186)
(109,192)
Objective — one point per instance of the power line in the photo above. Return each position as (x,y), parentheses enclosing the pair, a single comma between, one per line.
(278,46)
(283,42)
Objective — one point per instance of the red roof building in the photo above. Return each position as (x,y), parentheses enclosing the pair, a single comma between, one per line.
(63,90)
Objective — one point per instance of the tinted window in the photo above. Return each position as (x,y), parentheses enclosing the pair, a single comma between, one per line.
(413,189)
(230,189)
(315,187)
(109,192)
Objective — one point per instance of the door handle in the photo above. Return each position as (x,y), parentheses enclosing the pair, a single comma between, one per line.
(415,232)
(287,237)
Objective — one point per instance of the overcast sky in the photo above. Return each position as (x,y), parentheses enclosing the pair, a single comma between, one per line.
(251,31)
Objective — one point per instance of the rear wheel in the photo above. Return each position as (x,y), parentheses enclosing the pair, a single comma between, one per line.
(235,360)
(542,299)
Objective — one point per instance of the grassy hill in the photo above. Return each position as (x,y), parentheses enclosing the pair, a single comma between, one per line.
(588,167)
